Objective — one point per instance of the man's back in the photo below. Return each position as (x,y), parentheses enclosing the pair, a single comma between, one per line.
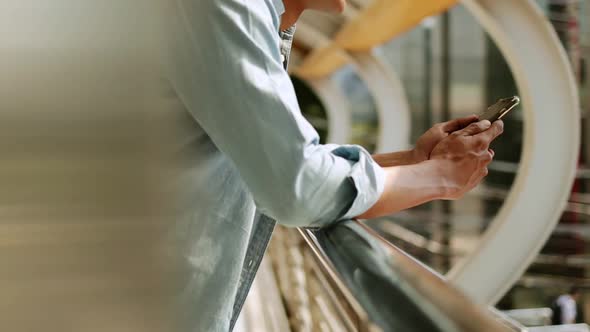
(212,231)
(216,219)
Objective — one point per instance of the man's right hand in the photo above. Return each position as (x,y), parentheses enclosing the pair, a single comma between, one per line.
(464,155)
(456,165)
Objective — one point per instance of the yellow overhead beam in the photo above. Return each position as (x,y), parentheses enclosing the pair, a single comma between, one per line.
(322,62)
(384,20)
(380,22)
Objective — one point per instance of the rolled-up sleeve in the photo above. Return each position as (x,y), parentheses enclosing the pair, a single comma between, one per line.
(368,179)
(226,68)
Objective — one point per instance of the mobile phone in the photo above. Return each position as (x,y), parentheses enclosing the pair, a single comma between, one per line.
(498,110)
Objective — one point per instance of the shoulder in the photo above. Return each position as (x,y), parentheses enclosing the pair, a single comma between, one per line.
(236,9)
(565,300)
(267,10)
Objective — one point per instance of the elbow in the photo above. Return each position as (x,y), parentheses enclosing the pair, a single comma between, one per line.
(288,208)
(289,202)
(307,194)
(299,213)
(289,215)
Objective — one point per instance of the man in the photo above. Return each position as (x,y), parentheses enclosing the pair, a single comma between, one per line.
(565,307)
(254,159)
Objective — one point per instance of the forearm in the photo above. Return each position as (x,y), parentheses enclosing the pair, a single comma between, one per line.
(407,186)
(399,158)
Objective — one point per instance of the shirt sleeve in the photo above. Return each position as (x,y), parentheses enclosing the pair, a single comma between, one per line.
(226,69)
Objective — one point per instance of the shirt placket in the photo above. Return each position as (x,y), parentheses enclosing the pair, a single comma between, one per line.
(286,44)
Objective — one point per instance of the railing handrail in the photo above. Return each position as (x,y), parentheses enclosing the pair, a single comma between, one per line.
(387,289)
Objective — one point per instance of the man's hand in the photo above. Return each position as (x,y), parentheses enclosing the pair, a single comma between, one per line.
(424,145)
(437,133)
(464,156)
(455,165)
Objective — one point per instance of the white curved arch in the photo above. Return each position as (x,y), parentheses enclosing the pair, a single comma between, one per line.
(334,102)
(390,98)
(551,143)
(337,109)
(383,85)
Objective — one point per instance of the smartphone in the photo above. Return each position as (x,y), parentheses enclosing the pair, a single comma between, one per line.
(499,109)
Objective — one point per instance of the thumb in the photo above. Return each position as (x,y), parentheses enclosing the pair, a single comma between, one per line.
(476,128)
(458,124)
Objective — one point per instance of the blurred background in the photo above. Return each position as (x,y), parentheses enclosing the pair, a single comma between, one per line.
(450,67)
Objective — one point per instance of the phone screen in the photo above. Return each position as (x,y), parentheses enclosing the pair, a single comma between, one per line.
(498,110)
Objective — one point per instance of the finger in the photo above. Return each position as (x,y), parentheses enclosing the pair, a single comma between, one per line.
(487,158)
(481,175)
(495,130)
(457,124)
(475,128)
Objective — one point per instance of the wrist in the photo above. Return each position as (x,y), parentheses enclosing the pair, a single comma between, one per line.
(441,171)
(418,156)
(400,158)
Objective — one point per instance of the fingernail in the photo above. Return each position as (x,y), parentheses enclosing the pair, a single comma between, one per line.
(486,123)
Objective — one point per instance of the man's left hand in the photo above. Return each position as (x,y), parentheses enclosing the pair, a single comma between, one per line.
(434,135)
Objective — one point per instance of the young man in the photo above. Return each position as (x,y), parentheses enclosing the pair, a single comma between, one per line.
(254,159)
(565,307)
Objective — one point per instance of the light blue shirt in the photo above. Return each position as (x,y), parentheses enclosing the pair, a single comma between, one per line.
(251,157)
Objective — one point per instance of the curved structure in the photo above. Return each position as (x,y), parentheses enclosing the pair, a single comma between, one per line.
(383,84)
(390,98)
(551,144)
(337,109)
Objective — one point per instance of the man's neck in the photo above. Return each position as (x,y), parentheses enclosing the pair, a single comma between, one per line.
(293,9)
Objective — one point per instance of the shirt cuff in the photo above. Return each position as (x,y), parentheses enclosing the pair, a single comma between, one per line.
(366,175)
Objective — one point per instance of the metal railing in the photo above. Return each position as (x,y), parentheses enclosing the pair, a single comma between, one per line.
(384,289)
